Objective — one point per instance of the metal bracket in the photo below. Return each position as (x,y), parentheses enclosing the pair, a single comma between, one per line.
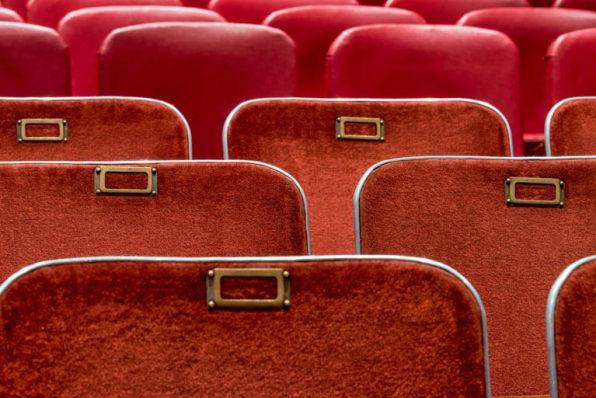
(512,200)
(340,128)
(102,171)
(22,130)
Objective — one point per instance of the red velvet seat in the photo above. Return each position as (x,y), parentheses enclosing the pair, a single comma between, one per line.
(578,4)
(313,29)
(33,62)
(50,12)
(8,15)
(255,11)
(203,69)
(195,3)
(448,12)
(85,30)
(455,210)
(532,30)
(569,129)
(417,61)
(143,327)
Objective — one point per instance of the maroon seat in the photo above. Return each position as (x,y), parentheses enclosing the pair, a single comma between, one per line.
(579,4)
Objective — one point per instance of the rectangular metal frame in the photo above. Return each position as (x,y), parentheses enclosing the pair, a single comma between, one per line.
(22,130)
(102,171)
(340,128)
(512,200)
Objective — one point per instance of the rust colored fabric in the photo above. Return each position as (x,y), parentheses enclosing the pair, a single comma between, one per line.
(201,209)
(299,137)
(203,69)
(454,211)
(572,128)
(355,328)
(98,129)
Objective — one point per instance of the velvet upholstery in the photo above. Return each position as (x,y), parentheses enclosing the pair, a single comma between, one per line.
(329,169)
(417,61)
(454,211)
(204,69)
(201,208)
(355,328)
(98,129)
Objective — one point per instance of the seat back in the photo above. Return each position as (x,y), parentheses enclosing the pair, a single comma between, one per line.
(417,61)
(91,128)
(313,29)
(8,15)
(332,326)
(85,30)
(570,128)
(205,70)
(329,168)
(192,208)
(578,4)
(454,209)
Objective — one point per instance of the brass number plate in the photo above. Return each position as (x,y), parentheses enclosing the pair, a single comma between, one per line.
(102,171)
(512,200)
(340,128)
(22,130)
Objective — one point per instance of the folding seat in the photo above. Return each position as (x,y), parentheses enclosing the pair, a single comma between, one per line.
(417,61)
(205,70)
(313,29)
(91,128)
(508,225)
(569,129)
(570,331)
(7,15)
(325,145)
(441,12)
(33,61)
(256,11)
(532,30)
(50,12)
(85,30)
(148,208)
(580,4)
(248,327)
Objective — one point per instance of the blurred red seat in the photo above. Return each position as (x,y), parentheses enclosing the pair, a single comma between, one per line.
(8,15)
(579,4)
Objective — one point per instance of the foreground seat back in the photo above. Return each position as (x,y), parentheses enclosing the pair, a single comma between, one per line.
(91,128)
(332,326)
(301,137)
(192,208)
(205,70)
(313,29)
(85,30)
(455,209)
(570,128)
(417,61)
(570,330)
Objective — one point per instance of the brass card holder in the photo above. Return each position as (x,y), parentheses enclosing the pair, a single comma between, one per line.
(102,171)
(513,201)
(216,301)
(22,130)
(340,128)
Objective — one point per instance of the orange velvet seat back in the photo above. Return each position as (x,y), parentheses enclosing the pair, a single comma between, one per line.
(299,136)
(374,327)
(93,129)
(52,210)
(454,210)
(570,128)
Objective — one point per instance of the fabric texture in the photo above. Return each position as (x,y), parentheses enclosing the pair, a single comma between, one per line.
(572,128)
(203,69)
(355,328)
(329,169)
(454,211)
(97,129)
(201,209)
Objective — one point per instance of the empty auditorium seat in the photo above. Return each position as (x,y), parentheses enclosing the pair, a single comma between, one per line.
(205,70)
(571,332)
(301,137)
(448,12)
(532,30)
(7,15)
(417,61)
(579,4)
(313,29)
(50,12)
(195,3)
(509,225)
(569,129)
(18,6)
(190,208)
(255,11)
(85,30)
(91,128)
(243,327)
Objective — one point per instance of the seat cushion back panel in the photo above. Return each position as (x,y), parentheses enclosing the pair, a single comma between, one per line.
(571,128)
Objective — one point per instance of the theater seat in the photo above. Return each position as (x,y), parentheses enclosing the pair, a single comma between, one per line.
(85,30)
(50,12)
(456,210)
(448,12)
(255,11)
(417,61)
(203,69)
(7,15)
(242,327)
(569,129)
(579,4)
(195,3)
(313,29)
(33,62)
(148,208)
